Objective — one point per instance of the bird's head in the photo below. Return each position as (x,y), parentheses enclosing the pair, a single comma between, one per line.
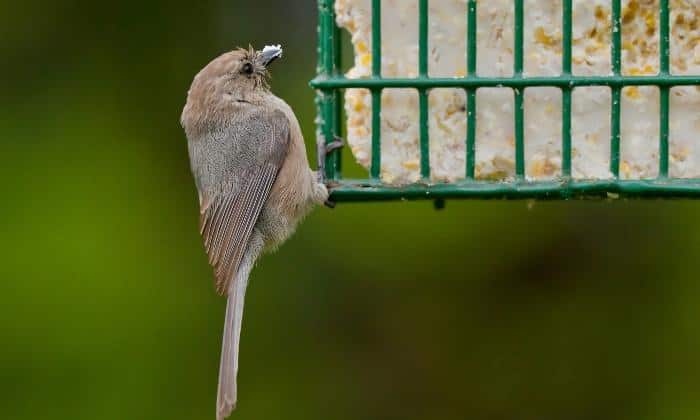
(235,78)
(247,69)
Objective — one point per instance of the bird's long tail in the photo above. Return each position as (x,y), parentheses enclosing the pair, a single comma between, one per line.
(228,368)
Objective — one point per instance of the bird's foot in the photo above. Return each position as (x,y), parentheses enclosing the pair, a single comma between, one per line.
(324,149)
(336,144)
(322,195)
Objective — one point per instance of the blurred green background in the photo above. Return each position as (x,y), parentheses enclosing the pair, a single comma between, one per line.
(498,310)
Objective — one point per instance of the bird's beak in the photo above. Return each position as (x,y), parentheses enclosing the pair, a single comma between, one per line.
(269,54)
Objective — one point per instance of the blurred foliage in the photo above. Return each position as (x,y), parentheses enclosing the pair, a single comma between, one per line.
(488,309)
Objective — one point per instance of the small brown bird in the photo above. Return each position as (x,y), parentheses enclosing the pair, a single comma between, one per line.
(249,164)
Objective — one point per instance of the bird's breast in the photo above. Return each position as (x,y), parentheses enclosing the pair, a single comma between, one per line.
(292,194)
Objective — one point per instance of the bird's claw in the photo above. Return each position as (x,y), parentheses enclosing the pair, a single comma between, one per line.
(323,150)
(337,143)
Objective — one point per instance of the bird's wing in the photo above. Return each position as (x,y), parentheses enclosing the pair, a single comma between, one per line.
(239,170)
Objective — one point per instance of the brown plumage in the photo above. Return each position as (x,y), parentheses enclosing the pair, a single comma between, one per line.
(253,178)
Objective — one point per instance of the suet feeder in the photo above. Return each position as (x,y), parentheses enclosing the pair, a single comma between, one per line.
(330,84)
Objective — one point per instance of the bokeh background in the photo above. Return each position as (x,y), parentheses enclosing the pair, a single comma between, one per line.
(498,310)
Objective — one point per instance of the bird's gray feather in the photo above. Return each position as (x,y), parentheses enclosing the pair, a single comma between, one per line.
(234,167)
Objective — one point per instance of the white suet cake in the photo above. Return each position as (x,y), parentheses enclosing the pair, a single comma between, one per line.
(495,143)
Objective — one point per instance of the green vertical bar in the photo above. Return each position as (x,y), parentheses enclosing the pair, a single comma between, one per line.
(664,37)
(664,132)
(567,23)
(566,92)
(424,135)
(664,51)
(615,132)
(519,93)
(423,93)
(616,38)
(616,90)
(326,100)
(519,135)
(326,17)
(518,39)
(423,38)
(376,38)
(337,154)
(471,38)
(471,93)
(375,168)
(471,132)
(566,133)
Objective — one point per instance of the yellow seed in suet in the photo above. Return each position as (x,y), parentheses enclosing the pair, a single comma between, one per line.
(650,20)
(625,168)
(412,164)
(601,13)
(365,59)
(361,47)
(632,92)
(543,38)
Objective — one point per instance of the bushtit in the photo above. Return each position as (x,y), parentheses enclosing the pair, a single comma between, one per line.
(253,178)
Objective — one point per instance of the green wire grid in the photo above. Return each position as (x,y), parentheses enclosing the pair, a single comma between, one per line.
(329,83)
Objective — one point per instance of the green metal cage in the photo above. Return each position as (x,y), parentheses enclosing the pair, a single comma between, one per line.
(330,81)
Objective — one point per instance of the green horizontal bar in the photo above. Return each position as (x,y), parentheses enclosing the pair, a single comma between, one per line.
(349,191)
(524,82)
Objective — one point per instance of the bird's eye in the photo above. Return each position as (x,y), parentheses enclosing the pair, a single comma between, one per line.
(247,68)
